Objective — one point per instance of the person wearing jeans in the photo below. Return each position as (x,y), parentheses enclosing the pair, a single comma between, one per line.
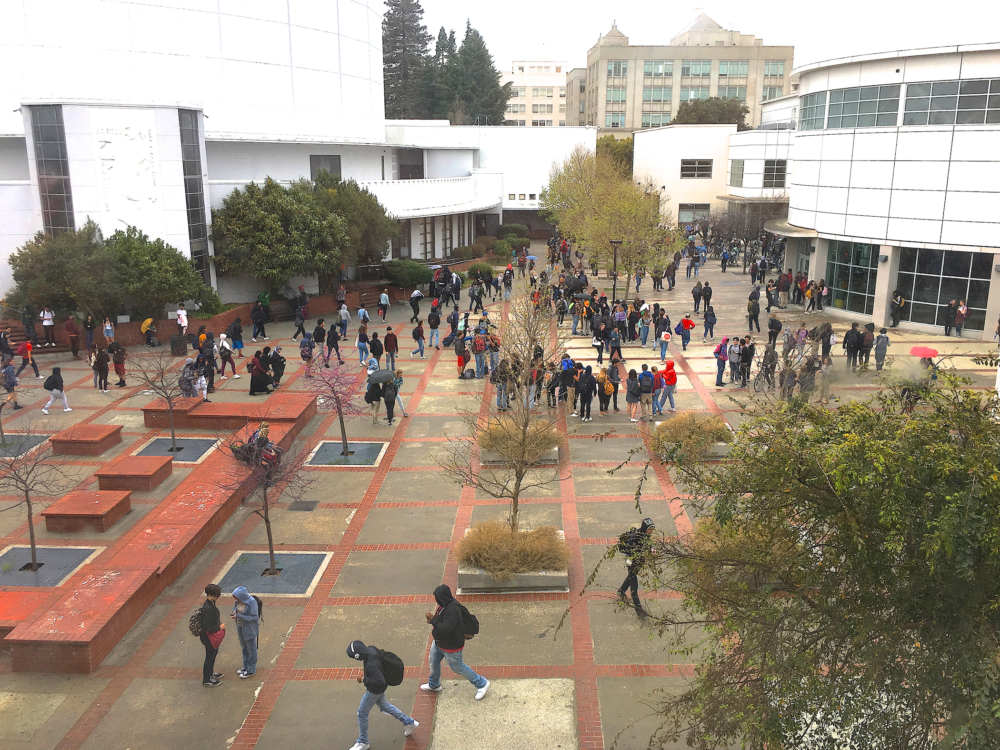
(375,686)
(247,616)
(669,386)
(448,628)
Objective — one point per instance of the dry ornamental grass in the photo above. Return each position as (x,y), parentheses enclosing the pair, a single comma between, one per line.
(492,546)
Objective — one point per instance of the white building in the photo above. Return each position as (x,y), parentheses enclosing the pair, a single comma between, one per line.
(538,93)
(156,119)
(889,165)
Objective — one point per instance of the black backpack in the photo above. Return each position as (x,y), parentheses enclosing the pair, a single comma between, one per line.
(260,607)
(470,624)
(392,667)
(646,382)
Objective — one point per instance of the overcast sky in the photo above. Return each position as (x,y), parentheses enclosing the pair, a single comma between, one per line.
(547,30)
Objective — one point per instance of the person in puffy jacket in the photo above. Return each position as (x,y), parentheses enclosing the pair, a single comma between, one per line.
(447,628)
(375,687)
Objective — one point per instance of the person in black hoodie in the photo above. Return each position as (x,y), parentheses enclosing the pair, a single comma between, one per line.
(376,685)
(54,385)
(211,622)
(448,628)
(635,545)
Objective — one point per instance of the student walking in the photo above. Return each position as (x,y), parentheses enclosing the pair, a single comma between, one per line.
(635,544)
(212,631)
(54,385)
(451,625)
(246,612)
(381,669)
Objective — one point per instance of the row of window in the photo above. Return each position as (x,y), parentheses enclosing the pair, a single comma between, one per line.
(618,94)
(534,123)
(775,172)
(655,119)
(733,92)
(939,103)
(697,68)
(520,196)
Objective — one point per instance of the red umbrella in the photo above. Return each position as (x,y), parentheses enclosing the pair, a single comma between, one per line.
(923,351)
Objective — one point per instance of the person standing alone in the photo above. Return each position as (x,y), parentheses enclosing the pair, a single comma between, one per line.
(376,663)
(635,545)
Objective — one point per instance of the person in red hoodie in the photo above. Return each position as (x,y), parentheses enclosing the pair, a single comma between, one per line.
(669,386)
(687,325)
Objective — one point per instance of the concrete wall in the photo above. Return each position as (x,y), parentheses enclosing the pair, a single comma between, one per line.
(755,147)
(449,163)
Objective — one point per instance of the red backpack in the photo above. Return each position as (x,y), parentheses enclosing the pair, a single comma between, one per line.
(22,350)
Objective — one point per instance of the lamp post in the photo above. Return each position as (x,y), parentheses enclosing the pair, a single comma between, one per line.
(615,244)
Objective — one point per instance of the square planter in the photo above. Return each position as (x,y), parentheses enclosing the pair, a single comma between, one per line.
(473,580)
(718,450)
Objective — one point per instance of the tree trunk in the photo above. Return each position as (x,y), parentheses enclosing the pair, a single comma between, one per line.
(515,497)
(170,418)
(273,569)
(31,532)
(343,427)
(3,436)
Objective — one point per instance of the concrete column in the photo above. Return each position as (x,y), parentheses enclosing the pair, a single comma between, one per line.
(885,284)
(992,304)
(817,261)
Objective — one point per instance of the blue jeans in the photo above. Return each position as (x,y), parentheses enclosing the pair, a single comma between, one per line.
(390,360)
(435,338)
(480,364)
(666,392)
(419,349)
(494,360)
(689,272)
(343,329)
(685,338)
(663,350)
(399,400)
(368,702)
(643,334)
(657,406)
(576,322)
(457,666)
(362,353)
(722,371)
(709,331)
(249,652)
(506,292)
(502,402)
(696,270)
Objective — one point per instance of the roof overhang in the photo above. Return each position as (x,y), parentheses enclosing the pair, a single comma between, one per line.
(782,228)
(753,199)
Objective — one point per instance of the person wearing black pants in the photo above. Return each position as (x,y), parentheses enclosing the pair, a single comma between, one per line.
(211,622)
(635,545)
(585,389)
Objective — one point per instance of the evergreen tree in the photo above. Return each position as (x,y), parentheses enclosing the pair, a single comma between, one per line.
(404,56)
(477,93)
(711,112)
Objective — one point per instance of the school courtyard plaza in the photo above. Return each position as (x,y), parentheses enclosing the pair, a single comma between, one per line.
(361,552)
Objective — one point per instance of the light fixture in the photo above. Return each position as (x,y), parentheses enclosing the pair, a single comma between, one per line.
(883,258)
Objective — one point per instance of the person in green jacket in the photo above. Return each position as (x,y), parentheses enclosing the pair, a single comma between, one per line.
(265,301)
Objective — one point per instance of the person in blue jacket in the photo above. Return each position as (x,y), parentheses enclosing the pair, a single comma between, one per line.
(247,616)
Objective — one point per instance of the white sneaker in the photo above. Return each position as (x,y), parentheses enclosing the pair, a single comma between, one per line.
(45,412)
(254,340)
(267,338)
(409,729)
(481,693)
(236,377)
(67,409)
(223,378)
(574,414)
(426,687)
(360,746)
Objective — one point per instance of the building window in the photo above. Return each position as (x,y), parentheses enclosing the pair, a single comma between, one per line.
(446,234)
(812,111)
(541,108)
(616,94)
(734,68)
(930,279)
(733,92)
(952,103)
(562,92)
(656,93)
(851,271)
(329,162)
(562,123)
(558,68)
(510,196)
(532,196)
(461,229)
(774,173)
(520,197)
(736,173)
(658,68)
(693,92)
(691,212)
(583,86)
(541,123)
(52,163)
(541,92)
(617,68)
(863,107)
(655,119)
(518,91)
(696,169)
(774,68)
(614,120)
(194,190)
(696,68)
(772,92)
(427,237)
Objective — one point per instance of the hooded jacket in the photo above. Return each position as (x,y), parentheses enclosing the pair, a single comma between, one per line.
(448,623)
(247,621)
(54,382)
(373,678)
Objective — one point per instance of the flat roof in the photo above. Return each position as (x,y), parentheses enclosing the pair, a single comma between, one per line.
(914,52)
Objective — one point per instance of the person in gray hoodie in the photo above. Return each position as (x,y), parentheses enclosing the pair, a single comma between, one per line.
(247,616)
(882,344)
(376,685)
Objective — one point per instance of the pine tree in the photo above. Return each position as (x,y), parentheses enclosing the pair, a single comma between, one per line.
(404,56)
(478,95)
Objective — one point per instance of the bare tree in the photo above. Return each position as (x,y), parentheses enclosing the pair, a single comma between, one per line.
(158,374)
(520,434)
(28,470)
(337,387)
(263,471)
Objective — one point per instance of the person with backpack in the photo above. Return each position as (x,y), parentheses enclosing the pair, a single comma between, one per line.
(383,304)
(721,354)
(479,347)
(300,322)
(773,329)
(246,612)
(376,348)
(710,321)
(306,348)
(226,355)
(208,353)
(882,345)
(418,337)
(753,314)
(851,346)
(462,354)
(451,626)
(54,385)
(684,328)
(210,631)
(635,544)
(586,387)
(604,390)
(27,359)
(433,324)
(9,382)
(319,336)
(646,384)
(259,318)
(867,342)
(381,670)
(696,294)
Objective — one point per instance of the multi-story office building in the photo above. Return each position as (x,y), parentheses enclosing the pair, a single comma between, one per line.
(539,94)
(576,97)
(630,87)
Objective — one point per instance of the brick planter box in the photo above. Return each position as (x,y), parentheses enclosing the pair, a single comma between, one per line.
(98,511)
(136,473)
(86,439)
(472,580)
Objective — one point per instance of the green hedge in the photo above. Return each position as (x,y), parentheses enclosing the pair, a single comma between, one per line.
(519,230)
(485,268)
(407,273)
(521,243)
(465,252)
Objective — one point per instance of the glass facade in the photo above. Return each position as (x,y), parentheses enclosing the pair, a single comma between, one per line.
(929,279)
(617,68)
(658,68)
(774,68)
(952,103)
(693,92)
(52,163)
(656,93)
(812,111)
(690,212)
(655,119)
(851,271)
(194,191)
(864,107)
(696,68)
(736,172)
(733,92)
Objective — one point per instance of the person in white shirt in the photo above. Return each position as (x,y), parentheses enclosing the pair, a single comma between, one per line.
(48,325)
(182,320)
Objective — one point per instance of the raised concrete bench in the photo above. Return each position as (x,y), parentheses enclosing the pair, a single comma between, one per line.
(156,414)
(88,510)
(86,439)
(297,408)
(135,473)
